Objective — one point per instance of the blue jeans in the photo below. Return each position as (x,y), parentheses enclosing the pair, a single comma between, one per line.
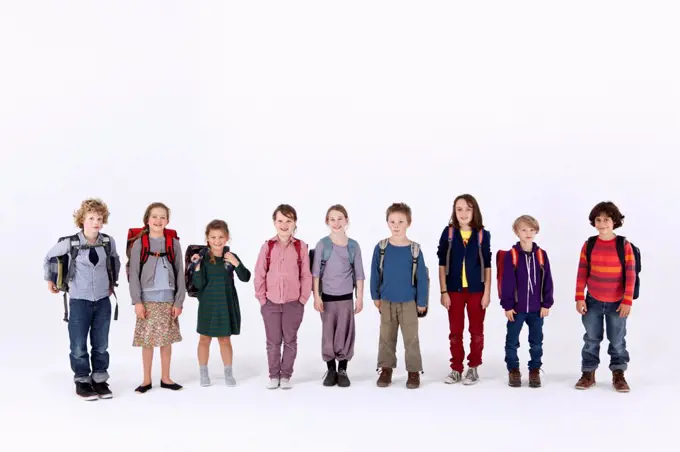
(93,318)
(594,320)
(535,323)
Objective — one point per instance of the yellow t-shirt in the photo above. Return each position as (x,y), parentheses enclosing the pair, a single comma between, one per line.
(466,238)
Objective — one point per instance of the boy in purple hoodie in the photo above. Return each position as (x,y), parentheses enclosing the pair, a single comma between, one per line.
(526,293)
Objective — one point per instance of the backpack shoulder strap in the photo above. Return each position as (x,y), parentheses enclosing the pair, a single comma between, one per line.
(480,237)
(540,256)
(169,246)
(352,246)
(298,248)
(590,244)
(513,254)
(415,252)
(268,257)
(327,248)
(621,251)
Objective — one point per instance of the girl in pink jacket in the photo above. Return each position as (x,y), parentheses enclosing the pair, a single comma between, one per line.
(283,284)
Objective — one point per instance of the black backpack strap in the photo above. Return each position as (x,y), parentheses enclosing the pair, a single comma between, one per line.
(106,240)
(621,251)
(74,248)
(589,250)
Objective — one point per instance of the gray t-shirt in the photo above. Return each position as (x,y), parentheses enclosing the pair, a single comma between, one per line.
(337,276)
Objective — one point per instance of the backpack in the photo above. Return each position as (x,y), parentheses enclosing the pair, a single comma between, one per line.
(62,271)
(621,251)
(327,246)
(480,237)
(415,251)
(190,267)
(270,246)
(500,266)
(134,234)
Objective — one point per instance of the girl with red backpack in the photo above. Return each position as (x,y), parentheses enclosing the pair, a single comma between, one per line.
(157,291)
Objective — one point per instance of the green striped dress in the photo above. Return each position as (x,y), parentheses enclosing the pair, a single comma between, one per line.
(219,314)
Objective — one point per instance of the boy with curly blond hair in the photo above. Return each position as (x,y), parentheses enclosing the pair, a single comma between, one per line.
(86,266)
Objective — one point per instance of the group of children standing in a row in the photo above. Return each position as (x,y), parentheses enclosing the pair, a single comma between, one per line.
(285,278)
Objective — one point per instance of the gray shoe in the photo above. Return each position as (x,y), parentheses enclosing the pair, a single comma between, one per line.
(229,377)
(205,378)
(471,376)
(453,377)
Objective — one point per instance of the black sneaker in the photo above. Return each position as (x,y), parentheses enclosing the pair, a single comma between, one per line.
(86,391)
(331,378)
(343,379)
(103,390)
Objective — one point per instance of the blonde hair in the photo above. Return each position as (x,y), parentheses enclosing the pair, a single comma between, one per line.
(529,220)
(91,205)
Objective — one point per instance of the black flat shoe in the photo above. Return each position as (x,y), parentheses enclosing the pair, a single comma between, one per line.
(174,386)
(142,389)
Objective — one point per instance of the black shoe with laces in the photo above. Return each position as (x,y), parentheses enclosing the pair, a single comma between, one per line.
(86,391)
(331,378)
(103,390)
(343,379)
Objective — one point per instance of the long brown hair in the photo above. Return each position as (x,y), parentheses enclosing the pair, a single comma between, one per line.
(477,222)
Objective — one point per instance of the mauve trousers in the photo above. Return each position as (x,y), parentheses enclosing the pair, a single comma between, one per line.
(337,325)
(281,324)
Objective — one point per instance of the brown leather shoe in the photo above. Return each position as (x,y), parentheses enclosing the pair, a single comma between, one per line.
(385,378)
(413,381)
(535,378)
(514,378)
(619,381)
(586,381)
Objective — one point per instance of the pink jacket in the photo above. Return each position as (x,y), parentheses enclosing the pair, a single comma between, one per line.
(285,281)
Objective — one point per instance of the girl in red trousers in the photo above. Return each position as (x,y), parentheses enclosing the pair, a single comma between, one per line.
(283,284)
(464,253)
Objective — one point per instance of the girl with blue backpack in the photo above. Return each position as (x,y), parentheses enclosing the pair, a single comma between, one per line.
(338,271)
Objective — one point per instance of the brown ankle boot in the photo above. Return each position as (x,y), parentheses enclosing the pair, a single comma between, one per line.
(535,378)
(586,381)
(514,378)
(385,378)
(619,381)
(413,381)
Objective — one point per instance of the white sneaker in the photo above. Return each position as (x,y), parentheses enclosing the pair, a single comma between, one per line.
(273,383)
(471,376)
(285,383)
(453,377)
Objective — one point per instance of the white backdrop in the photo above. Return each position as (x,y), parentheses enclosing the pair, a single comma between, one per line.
(226,109)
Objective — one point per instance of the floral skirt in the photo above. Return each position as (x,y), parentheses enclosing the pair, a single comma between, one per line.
(159,328)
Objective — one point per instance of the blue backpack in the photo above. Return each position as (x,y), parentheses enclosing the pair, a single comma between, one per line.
(327,245)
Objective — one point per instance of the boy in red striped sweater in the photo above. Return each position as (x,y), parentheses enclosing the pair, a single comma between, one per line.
(609,297)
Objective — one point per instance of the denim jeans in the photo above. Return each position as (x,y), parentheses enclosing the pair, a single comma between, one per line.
(535,323)
(599,314)
(93,318)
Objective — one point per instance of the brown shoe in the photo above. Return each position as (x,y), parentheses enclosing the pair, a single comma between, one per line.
(515,378)
(535,378)
(619,381)
(385,378)
(586,381)
(413,381)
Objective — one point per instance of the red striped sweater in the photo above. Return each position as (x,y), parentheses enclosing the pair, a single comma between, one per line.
(605,282)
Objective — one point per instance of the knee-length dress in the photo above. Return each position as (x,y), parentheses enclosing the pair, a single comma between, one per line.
(219,314)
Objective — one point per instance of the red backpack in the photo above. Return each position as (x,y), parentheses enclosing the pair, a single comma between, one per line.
(134,234)
(500,261)
(270,246)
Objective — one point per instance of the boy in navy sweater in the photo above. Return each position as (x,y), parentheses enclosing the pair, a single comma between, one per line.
(526,296)
(399,291)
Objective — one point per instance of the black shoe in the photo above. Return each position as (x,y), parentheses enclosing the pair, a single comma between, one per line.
(103,390)
(343,379)
(331,378)
(143,388)
(86,391)
(174,386)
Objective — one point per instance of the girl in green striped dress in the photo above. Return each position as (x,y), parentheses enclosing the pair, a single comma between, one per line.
(219,314)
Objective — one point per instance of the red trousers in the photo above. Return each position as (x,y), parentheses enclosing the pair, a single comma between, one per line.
(460,301)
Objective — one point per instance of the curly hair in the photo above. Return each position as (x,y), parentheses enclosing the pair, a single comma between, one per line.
(91,205)
(609,209)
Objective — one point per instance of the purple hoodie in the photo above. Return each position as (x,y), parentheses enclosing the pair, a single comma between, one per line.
(526,280)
